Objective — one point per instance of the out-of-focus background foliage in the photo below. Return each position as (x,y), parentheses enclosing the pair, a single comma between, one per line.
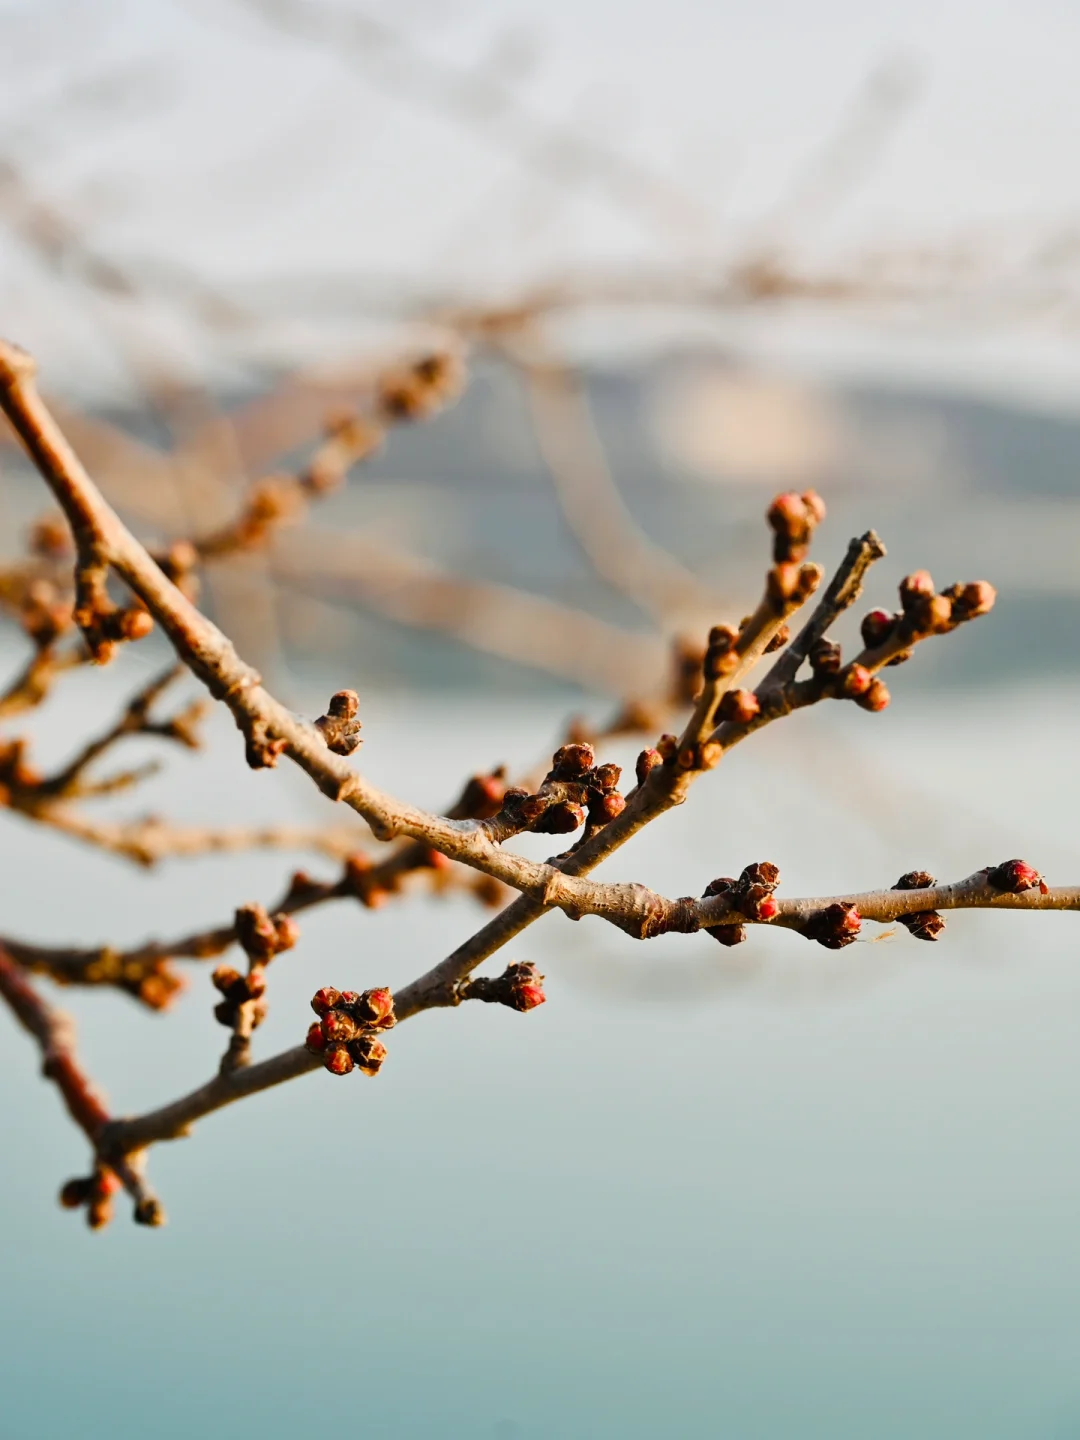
(693,254)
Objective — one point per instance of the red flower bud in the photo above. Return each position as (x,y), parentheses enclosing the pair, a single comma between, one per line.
(915,586)
(1015,876)
(877,627)
(316,1040)
(835,926)
(337,1060)
(570,762)
(855,681)
(325,999)
(607,777)
(738,706)
(376,1008)
(606,807)
(876,698)
(647,761)
(338,1026)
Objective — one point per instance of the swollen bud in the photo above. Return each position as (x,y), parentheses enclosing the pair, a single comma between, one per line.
(1013,877)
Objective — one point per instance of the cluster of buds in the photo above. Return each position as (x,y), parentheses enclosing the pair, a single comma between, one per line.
(923,924)
(846,682)
(835,926)
(575,789)
(751,894)
(94,1194)
(339,727)
(417,390)
(923,612)
(520,986)
(346,1034)
(1013,877)
(103,623)
(242,1007)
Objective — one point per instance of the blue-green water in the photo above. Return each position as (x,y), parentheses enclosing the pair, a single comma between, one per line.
(763,1193)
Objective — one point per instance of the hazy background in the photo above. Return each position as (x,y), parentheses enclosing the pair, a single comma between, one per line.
(764,1193)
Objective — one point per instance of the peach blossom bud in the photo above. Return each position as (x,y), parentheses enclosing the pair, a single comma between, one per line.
(877,627)
(835,926)
(376,1008)
(337,1060)
(738,706)
(915,586)
(855,681)
(338,1027)
(316,1040)
(1015,876)
(325,999)
(647,761)
(876,698)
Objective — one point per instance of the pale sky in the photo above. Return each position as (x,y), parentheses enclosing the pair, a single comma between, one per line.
(224,138)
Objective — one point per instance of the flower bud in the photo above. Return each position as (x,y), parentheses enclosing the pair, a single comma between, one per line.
(835,926)
(562,819)
(368,1054)
(339,727)
(855,681)
(607,777)
(325,999)
(1015,876)
(779,640)
(337,1060)
(914,587)
(570,762)
(915,880)
(727,934)
(316,1040)
(877,627)
(338,1026)
(647,761)
(764,872)
(826,658)
(924,924)
(757,903)
(738,706)
(667,748)
(375,1008)
(75,1193)
(605,808)
(970,601)
(229,981)
(876,698)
